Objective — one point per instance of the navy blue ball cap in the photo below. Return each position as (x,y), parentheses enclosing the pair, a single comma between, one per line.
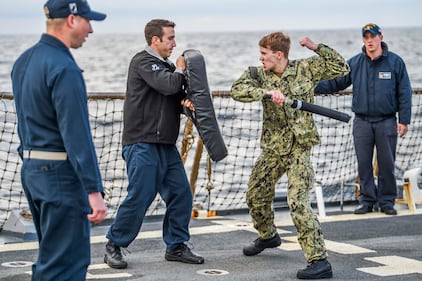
(62,8)
(371,27)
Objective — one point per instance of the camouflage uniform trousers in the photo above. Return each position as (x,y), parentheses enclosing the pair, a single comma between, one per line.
(268,169)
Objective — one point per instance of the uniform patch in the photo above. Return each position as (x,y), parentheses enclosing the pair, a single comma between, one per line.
(155,67)
(384,75)
(73,8)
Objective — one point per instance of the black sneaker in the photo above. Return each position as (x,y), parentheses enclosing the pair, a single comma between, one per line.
(113,256)
(363,209)
(259,245)
(316,270)
(388,210)
(183,254)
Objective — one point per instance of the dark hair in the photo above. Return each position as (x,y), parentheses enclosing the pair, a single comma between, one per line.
(276,41)
(155,28)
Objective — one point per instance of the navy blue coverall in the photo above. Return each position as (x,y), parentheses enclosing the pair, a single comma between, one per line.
(52,111)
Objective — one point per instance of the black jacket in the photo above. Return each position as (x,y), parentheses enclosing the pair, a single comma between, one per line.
(152,105)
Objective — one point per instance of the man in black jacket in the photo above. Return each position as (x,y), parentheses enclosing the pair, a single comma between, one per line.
(152,108)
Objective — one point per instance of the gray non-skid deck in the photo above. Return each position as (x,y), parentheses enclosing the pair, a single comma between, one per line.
(361,247)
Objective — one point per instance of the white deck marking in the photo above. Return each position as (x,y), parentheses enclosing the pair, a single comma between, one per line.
(393,265)
(220,227)
(345,249)
(12,247)
(337,247)
(100,276)
(105,275)
(241,225)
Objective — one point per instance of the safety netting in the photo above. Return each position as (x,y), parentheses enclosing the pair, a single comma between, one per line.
(217,186)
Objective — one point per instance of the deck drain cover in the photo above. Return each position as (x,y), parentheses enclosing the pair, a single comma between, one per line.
(212,272)
(17,264)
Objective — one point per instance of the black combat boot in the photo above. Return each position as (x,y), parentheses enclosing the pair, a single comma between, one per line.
(316,270)
(259,245)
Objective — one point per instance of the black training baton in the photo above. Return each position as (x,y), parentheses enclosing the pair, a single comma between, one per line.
(317,109)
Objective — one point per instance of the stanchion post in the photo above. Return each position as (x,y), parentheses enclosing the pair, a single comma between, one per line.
(320,201)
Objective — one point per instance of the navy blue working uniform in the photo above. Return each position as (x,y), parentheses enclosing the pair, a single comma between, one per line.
(381,89)
(152,111)
(52,111)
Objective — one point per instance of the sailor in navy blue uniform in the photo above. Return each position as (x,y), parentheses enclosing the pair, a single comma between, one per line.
(382,103)
(60,174)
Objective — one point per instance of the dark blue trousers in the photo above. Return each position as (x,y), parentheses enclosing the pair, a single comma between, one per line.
(59,207)
(383,136)
(152,169)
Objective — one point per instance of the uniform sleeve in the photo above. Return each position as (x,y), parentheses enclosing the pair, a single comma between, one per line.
(328,64)
(333,85)
(246,88)
(159,76)
(71,103)
(404,94)
(336,84)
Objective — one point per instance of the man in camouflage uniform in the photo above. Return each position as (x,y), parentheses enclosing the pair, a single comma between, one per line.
(287,138)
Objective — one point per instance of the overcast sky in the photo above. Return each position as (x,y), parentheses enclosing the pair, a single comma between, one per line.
(129,16)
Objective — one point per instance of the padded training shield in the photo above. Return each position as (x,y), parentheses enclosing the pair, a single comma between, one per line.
(204,116)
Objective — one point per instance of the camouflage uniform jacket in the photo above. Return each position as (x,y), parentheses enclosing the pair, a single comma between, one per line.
(282,125)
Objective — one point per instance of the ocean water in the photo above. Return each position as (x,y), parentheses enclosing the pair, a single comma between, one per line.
(105,57)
